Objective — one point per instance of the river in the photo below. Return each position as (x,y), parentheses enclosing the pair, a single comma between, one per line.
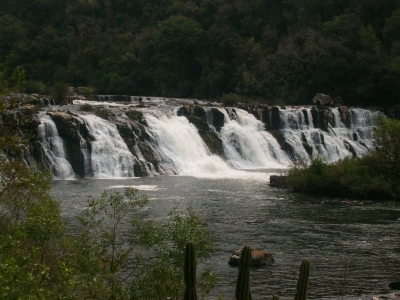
(354,249)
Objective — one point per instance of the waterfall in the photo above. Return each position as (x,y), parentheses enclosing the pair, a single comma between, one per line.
(181,149)
(161,142)
(110,155)
(53,149)
(338,142)
(246,143)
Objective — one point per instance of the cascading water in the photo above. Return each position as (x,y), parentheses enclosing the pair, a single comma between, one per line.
(157,141)
(247,145)
(181,148)
(334,144)
(53,149)
(110,156)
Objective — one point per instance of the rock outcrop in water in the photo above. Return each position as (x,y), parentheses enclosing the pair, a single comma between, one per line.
(258,258)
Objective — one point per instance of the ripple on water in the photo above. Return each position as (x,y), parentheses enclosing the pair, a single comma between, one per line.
(354,250)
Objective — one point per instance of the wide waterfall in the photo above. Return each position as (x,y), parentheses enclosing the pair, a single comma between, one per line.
(197,141)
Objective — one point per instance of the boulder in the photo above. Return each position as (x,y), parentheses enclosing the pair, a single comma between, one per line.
(337,101)
(277,181)
(322,99)
(259,258)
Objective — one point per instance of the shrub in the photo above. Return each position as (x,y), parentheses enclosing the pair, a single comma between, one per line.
(230,99)
(60,91)
(86,107)
(103,113)
(33,86)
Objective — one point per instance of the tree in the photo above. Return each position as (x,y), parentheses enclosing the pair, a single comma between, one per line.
(387,135)
(177,45)
(31,261)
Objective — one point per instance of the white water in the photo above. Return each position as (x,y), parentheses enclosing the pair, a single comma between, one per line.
(336,144)
(247,145)
(53,148)
(110,157)
(176,148)
(182,150)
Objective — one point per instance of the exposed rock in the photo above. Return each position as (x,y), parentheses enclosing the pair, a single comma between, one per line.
(337,101)
(277,181)
(218,118)
(395,285)
(275,118)
(259,258)
(323,118)
(344,115)
(322,99)
(71,129)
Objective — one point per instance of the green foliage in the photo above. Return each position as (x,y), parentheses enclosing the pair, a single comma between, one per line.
(230,99)
(33,87)
(351,178)
(86,107)
(163,275)
(103,113)
(109,235)
(60,91)
(387,135)
(32,259)
(273,50)
(243,281)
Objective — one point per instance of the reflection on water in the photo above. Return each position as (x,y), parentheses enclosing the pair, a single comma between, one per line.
(354,249)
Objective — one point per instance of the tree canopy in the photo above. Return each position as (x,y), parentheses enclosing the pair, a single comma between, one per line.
(272,50)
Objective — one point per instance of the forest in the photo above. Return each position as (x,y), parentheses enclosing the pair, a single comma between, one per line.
(273,51)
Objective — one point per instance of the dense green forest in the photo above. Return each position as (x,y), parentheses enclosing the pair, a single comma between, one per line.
(276,51)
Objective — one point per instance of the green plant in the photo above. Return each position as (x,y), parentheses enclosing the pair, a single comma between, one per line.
(33,86)
(190,272)
(86,107)
(230,99)
(302,283)
(275,297)
(103,113)
(60,91)
(243,281)
(110,231)
(162,275)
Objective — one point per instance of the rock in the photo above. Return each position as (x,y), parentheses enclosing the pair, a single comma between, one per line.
(218,118)
(395,285)
(277,181)
(322,99)
(337,101)
(275,119)
(259,258)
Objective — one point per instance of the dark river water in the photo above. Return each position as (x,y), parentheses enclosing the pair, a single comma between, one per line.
(354,249)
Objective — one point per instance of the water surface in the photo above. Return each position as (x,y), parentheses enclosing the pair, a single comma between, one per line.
(354,250)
